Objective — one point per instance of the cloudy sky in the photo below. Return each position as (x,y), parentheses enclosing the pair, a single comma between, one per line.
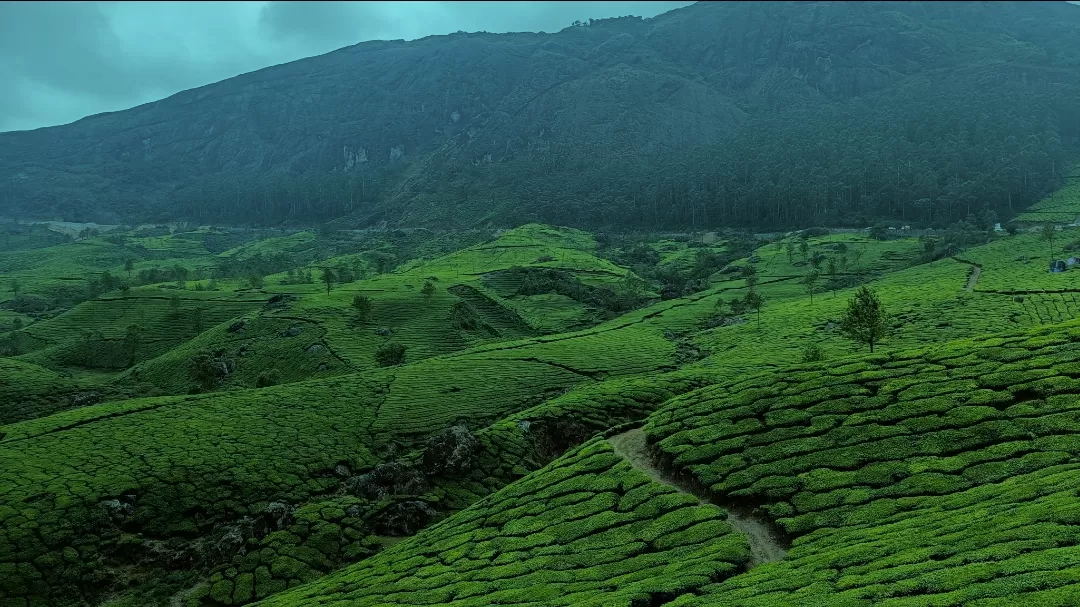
(60,61)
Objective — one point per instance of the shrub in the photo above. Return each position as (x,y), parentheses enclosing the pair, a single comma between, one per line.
(362,305)
(268,378)
(28,303)
(205,370)
(390,354)
(464,315)
(812,353)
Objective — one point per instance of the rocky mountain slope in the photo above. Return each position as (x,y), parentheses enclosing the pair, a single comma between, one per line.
(498,128)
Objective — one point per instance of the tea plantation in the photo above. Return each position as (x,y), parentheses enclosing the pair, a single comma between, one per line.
(207,417)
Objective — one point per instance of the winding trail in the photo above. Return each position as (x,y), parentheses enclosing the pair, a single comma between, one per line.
(765,544)
(976,270)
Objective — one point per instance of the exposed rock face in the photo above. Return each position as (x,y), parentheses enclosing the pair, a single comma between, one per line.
(450,451)
(403,518)
(387,479)
(624,92)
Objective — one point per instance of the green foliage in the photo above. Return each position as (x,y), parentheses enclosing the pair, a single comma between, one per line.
(428,289)
(362,305)
(812,353)
(865,319)
(463,315)
(586,530)
(268,378)
(390,354)
(206,370)
(328,279)
(810,280)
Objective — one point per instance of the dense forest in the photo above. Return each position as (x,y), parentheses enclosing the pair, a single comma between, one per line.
(756,115)
(928,157)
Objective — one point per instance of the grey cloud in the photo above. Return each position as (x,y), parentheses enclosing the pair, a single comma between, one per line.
(60,61)
(321,24)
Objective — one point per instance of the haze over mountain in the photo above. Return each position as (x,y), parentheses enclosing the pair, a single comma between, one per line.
(763,114)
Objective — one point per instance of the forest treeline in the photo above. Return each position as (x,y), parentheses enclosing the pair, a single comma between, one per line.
(922,156)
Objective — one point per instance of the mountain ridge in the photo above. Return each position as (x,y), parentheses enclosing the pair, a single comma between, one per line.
(527,122)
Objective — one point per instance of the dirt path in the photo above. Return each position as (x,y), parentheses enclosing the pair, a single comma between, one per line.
(976,270)
(765,546)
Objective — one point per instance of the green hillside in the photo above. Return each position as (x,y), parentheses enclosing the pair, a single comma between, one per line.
(573,420)
(930,477)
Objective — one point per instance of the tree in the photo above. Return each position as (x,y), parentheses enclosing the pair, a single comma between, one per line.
(631,292)
(750,275)
(865,319)
(1048,231)
(328,279)
(205,370)
(181,274)
(15,286)
(755,302)
(362,305)
(804,248)
(390,354)
(129,265)
(929,246)
(810,280)
(856,255)
(790,251)
(428,289)
(197,319)
(132,338)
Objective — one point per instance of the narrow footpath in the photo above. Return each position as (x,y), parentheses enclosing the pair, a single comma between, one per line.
(976,270)
(765,545)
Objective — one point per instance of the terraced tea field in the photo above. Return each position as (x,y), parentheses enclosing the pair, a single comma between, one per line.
(533,446)
(942,476)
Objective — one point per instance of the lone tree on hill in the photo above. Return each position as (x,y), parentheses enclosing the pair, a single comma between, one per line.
(755,302)
(810,281)
(362,304)
(750,275)
(1048,230)
(929,247)
(129,265)
(328,279)
(428,289)
(790,251)
(865,319)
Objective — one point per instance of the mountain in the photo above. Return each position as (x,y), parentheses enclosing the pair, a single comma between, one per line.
(732,113)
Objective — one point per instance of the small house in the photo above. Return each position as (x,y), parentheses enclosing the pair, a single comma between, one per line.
(1057,266)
